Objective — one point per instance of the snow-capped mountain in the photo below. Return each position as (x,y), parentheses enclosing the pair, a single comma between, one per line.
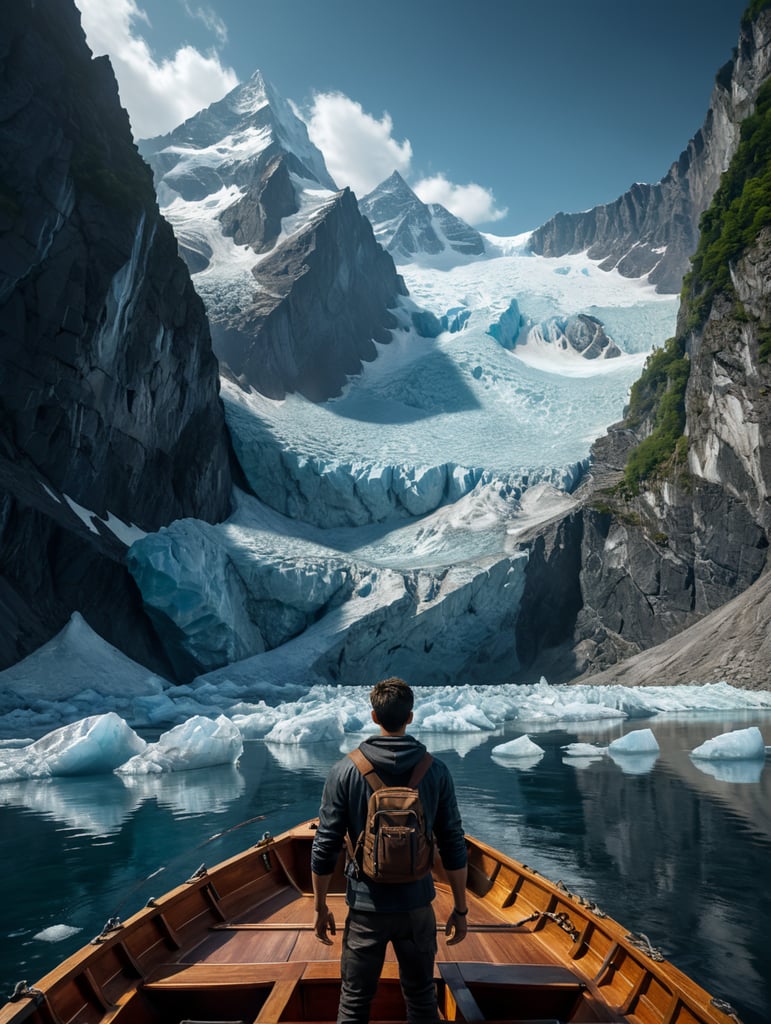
(408,227)
(294,283)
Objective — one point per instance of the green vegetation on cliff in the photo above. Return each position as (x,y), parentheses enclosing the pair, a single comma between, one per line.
(753,10)
(658,397)
(740,208)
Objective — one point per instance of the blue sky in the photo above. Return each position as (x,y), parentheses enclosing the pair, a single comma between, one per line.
(504,110)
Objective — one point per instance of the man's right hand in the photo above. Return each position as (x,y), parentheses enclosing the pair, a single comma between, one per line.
(325,923)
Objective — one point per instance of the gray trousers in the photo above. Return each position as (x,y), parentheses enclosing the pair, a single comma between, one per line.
(366,935)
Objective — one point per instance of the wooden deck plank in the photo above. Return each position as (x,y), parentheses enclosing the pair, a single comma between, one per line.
(280,995)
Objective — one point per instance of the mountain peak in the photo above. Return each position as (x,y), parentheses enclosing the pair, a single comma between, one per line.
(250,119)
(408,227)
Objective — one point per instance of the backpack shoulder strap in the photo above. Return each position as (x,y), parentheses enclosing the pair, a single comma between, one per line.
(367,769)
(419,771)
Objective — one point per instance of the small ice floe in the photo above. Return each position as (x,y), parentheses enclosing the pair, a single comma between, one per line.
(317,725)
(641,741)
(737,745)
(584,750)
(56,933)
(582,755)
(635,753)
(521,753)
(197,743)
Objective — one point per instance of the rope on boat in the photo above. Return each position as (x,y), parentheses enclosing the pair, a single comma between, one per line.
(561,919)
(267,843)
(24,991)
(581,901)
(641,941)
(726,1008)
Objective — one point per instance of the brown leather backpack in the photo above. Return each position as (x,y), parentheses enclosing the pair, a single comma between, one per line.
(395,845)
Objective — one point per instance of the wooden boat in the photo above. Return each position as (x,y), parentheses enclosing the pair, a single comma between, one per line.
(236,943)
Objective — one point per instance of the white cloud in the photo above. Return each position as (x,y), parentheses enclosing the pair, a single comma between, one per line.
(157,94)
(210,19)
(472,203)
(359,150)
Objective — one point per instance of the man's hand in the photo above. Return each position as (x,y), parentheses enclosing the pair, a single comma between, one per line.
(456,928)
(325,922)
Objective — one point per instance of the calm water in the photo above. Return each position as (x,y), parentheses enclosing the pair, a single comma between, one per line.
(669,850)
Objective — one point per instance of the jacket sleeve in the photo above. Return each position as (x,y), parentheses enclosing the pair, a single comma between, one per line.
(333,822)
(448,827)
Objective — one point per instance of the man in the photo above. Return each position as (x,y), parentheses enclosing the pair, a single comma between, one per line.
(399,912)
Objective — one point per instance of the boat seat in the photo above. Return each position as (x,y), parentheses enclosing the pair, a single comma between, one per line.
(516,993)
(281,980)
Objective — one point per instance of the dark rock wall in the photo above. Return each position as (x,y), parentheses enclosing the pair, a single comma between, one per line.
(324,300)
(108,384)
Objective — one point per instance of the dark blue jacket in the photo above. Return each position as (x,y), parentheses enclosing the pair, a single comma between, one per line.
(344,809)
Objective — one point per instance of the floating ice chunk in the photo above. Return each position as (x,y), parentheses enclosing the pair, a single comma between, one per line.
(197,743)
(89,747)
(584,750)
(313,726)
(641,741)
(740,744)
(523,746)
(465,719)
(257,721)
(57,932)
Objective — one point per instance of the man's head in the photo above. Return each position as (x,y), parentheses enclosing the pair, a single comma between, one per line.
(392,700)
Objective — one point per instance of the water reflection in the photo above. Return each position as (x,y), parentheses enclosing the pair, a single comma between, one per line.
(633,764)
(731,771)
(93,806)
(522,764)
(202,791)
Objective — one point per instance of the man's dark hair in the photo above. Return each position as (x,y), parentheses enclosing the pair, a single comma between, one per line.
(392,701)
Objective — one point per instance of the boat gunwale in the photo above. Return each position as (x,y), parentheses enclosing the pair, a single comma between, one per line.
(76,967)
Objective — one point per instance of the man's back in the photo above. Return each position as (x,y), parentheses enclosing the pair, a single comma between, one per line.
(400,912)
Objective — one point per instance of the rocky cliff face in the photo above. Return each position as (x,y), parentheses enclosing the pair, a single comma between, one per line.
(653,229)
(325,298)
(109,399)
(675,522)
(295,285)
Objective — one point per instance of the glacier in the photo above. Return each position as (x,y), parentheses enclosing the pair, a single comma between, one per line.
(377,519)
(381,531)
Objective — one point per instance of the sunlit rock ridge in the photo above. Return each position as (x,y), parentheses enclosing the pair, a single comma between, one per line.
(653,229)
(109,397)
(296,287)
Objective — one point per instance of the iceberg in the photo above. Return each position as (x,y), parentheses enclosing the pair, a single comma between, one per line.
(739,744)
(197,743)
(316,726)
(523,746)
(641,741)
(584,750)
(91,746)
